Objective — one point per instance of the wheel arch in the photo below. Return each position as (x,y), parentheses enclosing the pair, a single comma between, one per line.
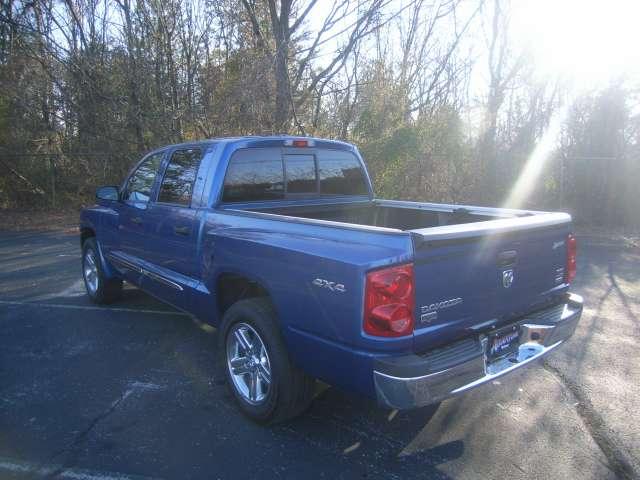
(232,286)
(85,233)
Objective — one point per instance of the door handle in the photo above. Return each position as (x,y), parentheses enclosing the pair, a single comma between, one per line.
(181,230)
(136,220)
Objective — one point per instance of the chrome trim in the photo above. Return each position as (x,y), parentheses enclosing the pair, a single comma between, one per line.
(535,333)
(161,279)
(123,263)
(536,341)
(147,273)
(527,353)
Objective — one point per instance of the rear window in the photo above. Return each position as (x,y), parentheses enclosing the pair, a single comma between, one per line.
(340,174)
(300,173)
(256,174)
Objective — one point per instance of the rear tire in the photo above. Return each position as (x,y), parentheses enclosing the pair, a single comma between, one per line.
(268,388)
(101,290)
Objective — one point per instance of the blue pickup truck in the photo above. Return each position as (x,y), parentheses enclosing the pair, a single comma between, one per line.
(280,243)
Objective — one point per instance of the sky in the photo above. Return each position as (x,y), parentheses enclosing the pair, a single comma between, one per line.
(586,42)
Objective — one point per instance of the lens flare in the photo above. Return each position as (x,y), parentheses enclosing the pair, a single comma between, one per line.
(531,173)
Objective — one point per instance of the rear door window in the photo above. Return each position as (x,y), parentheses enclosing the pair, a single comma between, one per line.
(179,177)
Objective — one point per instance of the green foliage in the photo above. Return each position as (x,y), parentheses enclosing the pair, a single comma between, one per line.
(425,159)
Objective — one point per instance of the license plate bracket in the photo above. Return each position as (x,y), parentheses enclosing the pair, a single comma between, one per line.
(503,343)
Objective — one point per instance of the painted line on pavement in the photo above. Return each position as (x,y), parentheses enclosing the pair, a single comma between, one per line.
(89,307)
(17,467)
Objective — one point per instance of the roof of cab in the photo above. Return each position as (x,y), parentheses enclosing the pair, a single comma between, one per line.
(250,141)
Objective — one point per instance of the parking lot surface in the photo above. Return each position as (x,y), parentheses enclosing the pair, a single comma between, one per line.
(131,391)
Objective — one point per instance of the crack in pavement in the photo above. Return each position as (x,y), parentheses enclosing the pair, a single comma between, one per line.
(620,461)
(82,435)
(623,297)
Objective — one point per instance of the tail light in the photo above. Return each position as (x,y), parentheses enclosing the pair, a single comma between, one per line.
(572,250)
(389,301)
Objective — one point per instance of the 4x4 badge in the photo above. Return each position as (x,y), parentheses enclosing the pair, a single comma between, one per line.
(333,286)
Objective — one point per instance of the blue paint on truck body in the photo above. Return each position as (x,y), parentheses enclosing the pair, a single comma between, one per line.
(284,254)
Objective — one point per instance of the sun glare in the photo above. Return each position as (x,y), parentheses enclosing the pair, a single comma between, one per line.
(530,174)
(588,42)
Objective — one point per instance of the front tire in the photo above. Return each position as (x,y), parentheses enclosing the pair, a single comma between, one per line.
(266,385)
(101,290)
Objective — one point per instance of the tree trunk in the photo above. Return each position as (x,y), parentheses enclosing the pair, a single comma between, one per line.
(282,35)
(283,92)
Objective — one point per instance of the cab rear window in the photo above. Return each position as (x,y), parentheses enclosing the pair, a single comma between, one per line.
(254,174)
(340,174)
(258,174)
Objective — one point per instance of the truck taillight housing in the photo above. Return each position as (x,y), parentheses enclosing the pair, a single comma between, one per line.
(572,251)
(389,301)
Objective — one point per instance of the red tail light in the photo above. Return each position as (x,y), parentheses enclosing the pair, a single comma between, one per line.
(389,300)
(572,250)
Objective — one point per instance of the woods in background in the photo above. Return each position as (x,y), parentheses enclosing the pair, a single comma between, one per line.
(441,104)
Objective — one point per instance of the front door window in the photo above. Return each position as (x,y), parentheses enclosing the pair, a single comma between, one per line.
(142,179)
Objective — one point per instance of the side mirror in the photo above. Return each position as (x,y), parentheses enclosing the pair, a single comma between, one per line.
(108,193)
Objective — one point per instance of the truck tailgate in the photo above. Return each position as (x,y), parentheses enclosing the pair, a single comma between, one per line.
(472,277)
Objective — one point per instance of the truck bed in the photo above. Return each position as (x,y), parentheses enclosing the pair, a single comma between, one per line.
(399,215)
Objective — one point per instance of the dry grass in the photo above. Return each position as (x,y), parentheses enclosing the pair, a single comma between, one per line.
(42,220)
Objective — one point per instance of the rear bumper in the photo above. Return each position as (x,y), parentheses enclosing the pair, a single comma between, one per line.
(414,381)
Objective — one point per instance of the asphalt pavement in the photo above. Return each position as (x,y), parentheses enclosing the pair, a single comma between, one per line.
(131,391)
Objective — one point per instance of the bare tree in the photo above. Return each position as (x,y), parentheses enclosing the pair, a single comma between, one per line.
(503,67)
(286,23)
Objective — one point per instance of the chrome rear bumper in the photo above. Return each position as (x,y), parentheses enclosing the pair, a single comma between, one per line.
(540,333)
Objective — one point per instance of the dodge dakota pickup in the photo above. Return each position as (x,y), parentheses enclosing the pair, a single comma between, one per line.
(280,243)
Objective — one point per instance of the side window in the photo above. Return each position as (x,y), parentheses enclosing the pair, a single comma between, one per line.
(300,172)
(141,180)
(179,177)
(341,174)
(254,174)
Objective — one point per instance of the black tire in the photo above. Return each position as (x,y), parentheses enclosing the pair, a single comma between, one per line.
(108,289)
(291,390)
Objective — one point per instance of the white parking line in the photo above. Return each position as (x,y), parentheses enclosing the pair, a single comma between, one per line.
(18,467)
(90,307)
(76,289)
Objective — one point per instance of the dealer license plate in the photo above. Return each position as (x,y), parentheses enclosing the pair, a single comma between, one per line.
(503,343)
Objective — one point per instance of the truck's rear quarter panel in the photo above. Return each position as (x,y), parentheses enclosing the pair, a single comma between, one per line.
(322,327)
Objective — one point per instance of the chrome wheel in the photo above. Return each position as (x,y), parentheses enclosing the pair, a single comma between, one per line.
(90,271)
(248,363)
